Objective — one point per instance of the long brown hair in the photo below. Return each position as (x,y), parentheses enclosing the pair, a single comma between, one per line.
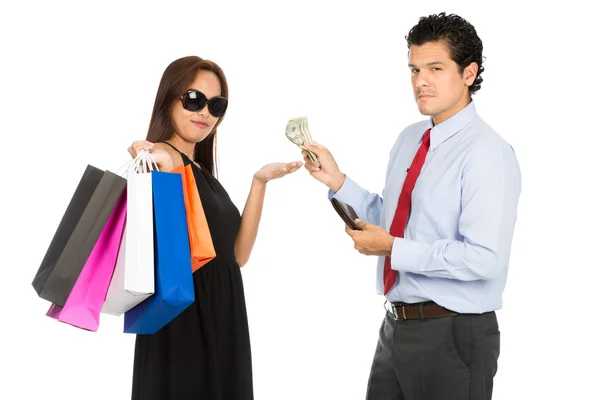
(174,82)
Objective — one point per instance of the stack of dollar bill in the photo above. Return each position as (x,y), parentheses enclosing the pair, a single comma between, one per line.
(297,132)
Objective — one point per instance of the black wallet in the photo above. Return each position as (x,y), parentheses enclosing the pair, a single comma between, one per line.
(346,212)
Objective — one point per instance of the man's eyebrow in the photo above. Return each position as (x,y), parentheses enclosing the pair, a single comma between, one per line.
(428,64)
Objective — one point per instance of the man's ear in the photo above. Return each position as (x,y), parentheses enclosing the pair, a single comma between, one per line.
(470,73)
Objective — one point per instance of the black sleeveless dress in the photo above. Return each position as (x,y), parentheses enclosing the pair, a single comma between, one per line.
(204,353)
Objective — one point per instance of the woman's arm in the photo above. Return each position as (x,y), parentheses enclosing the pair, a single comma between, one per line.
(254,206)
(250,222)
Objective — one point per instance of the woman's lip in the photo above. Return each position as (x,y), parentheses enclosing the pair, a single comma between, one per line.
(200,123)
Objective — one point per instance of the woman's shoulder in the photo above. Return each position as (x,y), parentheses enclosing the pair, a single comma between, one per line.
(176,158)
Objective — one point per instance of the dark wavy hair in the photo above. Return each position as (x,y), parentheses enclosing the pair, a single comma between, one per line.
(459,35)
(175,82)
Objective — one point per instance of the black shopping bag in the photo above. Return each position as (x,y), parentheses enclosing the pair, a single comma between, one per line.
(88,212)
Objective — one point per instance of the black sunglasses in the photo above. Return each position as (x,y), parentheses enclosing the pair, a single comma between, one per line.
(195,100)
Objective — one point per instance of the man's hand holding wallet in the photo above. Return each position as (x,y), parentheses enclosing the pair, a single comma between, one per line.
(369,239)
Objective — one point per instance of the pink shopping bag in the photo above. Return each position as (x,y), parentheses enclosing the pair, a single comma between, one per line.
(84,304)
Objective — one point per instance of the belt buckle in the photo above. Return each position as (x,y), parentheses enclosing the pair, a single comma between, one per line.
(395,312)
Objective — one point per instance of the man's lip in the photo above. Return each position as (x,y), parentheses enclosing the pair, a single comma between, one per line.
(424,95)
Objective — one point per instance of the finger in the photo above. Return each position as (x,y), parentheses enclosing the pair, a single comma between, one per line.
(145,147)
(294,169)
(142,145)
(360,224)
(311,168)
(305,157)
(317,150)
(310,165)
(349,231)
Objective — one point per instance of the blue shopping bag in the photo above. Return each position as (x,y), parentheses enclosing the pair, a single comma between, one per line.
(174,287)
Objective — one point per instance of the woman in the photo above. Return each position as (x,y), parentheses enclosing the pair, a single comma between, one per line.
(204,353)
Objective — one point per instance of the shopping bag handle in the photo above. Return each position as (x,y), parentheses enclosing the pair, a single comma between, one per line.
(143,162)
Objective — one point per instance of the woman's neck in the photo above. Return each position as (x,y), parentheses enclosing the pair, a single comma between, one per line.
(183,146)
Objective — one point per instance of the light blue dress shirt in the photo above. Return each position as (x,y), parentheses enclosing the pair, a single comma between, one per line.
(457,241)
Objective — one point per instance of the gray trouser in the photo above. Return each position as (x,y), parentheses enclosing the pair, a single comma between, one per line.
(447,358)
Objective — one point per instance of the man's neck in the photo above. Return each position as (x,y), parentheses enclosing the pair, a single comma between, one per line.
(446,114)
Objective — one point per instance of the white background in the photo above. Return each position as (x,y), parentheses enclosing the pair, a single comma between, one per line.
(78,82)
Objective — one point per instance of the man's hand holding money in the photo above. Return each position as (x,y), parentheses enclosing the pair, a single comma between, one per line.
(328,172)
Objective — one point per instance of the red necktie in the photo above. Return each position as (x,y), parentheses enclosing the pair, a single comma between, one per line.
(403,209)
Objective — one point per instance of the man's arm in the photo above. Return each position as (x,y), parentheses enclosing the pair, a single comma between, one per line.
(491,185)
(367,205)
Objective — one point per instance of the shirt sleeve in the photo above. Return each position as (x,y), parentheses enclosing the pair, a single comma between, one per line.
(366,204)
(491,185)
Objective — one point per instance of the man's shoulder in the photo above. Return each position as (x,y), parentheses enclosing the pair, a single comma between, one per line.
(483,134)
(481,140)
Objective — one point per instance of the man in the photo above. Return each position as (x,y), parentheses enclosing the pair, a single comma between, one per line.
(442,270)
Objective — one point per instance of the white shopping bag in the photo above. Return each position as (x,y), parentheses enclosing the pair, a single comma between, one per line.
(133,277)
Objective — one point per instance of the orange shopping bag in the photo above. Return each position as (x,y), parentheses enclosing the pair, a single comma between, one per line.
(201,245)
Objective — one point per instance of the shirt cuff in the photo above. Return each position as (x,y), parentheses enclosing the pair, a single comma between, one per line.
(350,192)
(407,255)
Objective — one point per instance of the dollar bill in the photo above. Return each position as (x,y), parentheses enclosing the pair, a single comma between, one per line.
(297,132)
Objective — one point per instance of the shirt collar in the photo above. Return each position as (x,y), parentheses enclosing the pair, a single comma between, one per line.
(451,126)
